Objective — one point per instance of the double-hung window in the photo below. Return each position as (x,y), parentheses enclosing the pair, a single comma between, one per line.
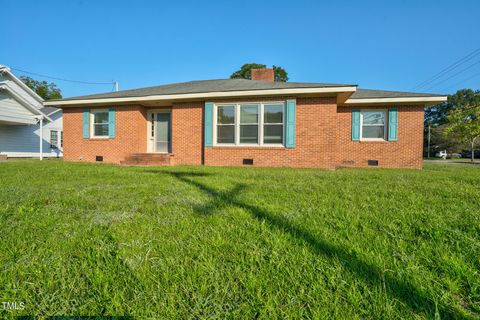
(249,124)
(373,124)
(273,123)
(99,123)
(226,124)
(53,139)
(252,124)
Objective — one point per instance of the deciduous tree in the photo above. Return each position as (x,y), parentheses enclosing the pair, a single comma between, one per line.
(465,124)
(44,89)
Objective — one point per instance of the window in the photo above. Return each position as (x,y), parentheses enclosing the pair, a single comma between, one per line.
(273,123)
(53,139)
(99,122)
(226,124)
(373,124)
(250,124)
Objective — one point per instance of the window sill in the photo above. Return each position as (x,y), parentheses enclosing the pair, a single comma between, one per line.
(374,140)
(250,147)
(98,138)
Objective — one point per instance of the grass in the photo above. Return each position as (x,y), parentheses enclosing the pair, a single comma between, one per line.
(200,242)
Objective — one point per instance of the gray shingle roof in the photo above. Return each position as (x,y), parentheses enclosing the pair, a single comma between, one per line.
(370,94)
(204,86)
(48,110)
(226,85)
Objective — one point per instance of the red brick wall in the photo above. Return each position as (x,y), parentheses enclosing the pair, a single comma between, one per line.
(130,136)
(187,132)
(323,138)
(406,152)
(315,139)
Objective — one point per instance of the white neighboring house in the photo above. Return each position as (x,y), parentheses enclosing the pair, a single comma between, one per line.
(27,129)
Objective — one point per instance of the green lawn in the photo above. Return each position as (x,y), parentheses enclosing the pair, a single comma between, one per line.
(200,242)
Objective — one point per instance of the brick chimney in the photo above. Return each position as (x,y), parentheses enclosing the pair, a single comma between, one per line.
(265,74)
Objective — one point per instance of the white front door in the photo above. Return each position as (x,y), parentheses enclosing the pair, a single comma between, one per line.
(160,132)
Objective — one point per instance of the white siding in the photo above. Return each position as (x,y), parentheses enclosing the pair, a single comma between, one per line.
(17,107)
(12,110)
(24,140)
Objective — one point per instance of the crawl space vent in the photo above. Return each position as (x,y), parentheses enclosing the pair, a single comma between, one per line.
(99,158)
(248,162)
(373,163)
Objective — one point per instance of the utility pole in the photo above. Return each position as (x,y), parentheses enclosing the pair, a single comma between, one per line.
(428,147)
(116,86)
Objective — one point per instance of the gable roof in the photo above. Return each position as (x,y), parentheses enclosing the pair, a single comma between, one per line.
(5,70)
(24,97)
(50,110)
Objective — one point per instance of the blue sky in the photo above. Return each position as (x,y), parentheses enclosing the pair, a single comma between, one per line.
(392,45)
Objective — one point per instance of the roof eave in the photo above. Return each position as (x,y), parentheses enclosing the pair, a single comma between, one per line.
(23,102)
(204,96)
(5,69)
(432,100)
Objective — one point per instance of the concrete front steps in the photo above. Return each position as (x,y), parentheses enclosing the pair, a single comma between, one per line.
(148,159)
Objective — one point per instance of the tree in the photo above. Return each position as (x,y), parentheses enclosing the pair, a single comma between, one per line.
(465,123)
(47,91)
(436,117)
(245,72)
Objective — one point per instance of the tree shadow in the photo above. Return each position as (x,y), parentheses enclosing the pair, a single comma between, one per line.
(370,274)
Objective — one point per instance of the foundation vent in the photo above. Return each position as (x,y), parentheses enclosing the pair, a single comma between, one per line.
(248,162)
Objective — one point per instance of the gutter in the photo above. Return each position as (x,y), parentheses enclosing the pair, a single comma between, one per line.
(427,100)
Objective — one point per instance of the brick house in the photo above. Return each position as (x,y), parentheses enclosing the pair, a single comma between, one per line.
(239,122)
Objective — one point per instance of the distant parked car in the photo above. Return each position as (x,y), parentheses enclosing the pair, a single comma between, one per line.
(441,154)
(468,154)
(455,155)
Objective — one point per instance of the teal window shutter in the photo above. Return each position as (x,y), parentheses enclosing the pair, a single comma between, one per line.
(111,123)
(290,123)
(392,124)
(356,125)
(208,142)
(86,123)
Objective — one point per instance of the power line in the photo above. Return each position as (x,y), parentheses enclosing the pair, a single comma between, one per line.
(460,82)
(454,75)
(61,79)
(456,64)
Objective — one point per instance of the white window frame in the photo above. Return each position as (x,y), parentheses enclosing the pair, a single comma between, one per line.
(92,124)
(56,145)
(239,114)
(385,125)
(237,124)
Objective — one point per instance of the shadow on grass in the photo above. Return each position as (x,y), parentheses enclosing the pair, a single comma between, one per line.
(404,291)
